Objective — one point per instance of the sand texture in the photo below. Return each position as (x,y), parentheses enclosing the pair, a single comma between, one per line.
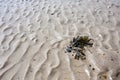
(34,34)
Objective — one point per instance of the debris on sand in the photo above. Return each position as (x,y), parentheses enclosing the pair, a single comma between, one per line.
(77,45)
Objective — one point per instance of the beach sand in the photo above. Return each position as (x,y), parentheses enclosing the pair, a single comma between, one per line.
(35,33)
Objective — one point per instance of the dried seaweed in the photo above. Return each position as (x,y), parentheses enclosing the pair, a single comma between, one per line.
(78,44)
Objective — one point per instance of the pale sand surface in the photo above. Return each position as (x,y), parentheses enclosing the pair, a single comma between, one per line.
(34,34)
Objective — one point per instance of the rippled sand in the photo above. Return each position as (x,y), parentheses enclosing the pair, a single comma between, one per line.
(34,34)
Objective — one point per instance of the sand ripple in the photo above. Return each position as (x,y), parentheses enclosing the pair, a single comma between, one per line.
(34,33)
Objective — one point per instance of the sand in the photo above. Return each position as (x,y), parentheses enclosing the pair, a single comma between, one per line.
(34,34)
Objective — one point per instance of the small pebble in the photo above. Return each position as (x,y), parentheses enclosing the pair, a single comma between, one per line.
(93,68)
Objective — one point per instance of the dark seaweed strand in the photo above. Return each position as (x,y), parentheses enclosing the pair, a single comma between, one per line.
(78,45)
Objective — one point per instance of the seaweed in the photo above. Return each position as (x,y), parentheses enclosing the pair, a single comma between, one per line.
(78,45)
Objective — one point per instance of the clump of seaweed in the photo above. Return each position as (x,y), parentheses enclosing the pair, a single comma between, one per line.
(78,44)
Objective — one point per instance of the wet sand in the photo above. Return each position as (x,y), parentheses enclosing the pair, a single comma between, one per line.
(34,34)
